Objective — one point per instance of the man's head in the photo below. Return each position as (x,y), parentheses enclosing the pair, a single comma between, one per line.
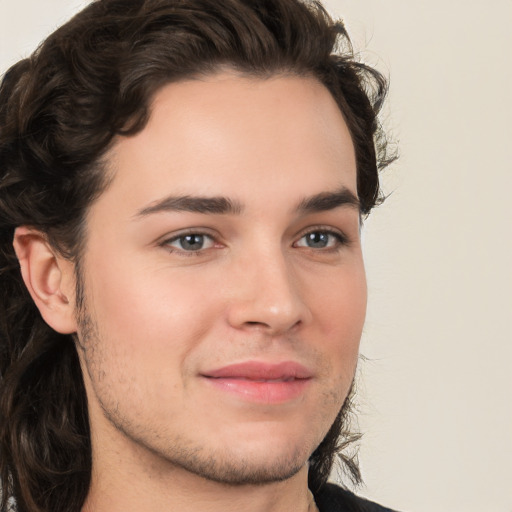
(184,182)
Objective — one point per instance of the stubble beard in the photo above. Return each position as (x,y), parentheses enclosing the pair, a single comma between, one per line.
(223,468)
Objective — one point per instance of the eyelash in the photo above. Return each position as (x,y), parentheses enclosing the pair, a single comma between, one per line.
(340,241)
(182,252)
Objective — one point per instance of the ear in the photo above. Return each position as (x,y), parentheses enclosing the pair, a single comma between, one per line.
(48,277)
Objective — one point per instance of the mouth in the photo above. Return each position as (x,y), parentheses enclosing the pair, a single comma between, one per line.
(261,382)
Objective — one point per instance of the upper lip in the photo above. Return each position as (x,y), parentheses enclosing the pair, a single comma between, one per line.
(259,370)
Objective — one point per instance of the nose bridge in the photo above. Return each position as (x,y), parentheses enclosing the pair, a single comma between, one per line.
(267,292)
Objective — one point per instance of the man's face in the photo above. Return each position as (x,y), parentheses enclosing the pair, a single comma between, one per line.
(224,285)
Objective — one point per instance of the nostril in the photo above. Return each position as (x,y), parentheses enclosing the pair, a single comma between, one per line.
(261,325)
(272,326)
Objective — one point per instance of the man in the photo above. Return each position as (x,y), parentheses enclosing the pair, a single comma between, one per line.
(183,291)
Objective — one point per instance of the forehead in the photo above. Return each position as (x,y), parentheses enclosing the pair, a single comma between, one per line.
(233,135)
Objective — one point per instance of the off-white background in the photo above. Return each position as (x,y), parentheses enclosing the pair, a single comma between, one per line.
(435,394)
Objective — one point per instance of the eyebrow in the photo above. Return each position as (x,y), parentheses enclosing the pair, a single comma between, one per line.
(219,205)
(329,201)
(195,204)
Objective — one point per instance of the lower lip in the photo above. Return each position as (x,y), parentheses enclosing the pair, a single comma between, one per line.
(276,392)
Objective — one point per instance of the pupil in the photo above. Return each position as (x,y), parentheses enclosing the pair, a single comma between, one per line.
(192,242)
(317,239)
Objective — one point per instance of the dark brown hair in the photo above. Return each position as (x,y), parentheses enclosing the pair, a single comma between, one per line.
(60,110)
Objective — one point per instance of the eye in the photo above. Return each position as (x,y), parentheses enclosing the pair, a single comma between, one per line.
(321,239)
(191,242)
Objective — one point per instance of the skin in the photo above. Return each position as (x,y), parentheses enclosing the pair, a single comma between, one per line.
(159,315)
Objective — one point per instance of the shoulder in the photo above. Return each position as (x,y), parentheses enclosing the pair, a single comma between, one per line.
(332,498)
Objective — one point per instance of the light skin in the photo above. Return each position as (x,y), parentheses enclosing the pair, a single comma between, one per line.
(228,235)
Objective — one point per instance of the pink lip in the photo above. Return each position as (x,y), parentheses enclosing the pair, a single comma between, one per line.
(262,382)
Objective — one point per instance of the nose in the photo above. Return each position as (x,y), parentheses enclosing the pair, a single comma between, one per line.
(266,296)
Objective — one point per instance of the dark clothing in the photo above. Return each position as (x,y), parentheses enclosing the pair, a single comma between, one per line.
(332,498)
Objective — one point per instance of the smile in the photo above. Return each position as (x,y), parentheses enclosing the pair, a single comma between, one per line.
(262,382)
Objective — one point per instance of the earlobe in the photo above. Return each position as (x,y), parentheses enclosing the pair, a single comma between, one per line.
(48,277)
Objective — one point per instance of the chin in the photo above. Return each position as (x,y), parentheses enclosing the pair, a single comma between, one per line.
(238,451)
(227,468)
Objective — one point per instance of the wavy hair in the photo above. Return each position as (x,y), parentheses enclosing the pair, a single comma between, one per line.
(60,110)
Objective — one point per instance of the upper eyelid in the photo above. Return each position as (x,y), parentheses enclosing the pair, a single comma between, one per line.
(181,252)
(325,229)
(187,231)
(340,241)
(182,235)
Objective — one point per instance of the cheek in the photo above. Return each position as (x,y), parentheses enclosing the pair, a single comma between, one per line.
(149,312)
(341,310)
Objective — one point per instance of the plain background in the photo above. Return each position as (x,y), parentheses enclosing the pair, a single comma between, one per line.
(435,393)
